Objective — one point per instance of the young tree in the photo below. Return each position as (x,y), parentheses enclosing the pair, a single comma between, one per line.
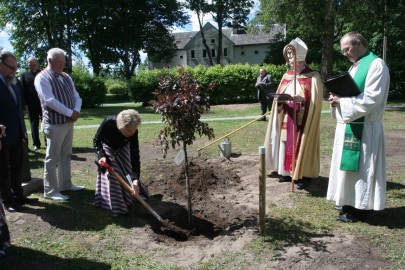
(181,100)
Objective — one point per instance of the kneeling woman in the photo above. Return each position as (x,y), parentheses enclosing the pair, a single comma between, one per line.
(116,142)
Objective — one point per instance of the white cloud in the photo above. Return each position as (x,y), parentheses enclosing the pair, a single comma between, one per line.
(4,41)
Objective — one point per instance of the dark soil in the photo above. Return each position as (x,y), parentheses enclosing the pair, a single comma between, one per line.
(211,213)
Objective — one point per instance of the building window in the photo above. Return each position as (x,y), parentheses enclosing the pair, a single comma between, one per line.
(192,54)
(225,52)
(181,56)
(213,52)
(212,41)
(256,52)
(204,54)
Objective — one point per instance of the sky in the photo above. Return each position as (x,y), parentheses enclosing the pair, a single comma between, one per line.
(192,26)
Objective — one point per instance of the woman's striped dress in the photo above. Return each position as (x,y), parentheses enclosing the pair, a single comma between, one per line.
(110,194)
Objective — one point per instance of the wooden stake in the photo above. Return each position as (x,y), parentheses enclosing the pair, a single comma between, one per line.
(262,190)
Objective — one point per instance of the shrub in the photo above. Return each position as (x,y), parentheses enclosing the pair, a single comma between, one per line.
(90,88)
(141,87)
(117,88)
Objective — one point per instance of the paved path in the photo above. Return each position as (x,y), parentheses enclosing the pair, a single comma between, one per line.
(202,119)
(211,119)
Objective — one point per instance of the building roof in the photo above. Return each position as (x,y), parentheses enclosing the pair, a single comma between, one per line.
(238,36)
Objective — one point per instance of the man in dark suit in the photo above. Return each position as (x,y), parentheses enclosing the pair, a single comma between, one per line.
(32,100)
(11,153)
(264,85)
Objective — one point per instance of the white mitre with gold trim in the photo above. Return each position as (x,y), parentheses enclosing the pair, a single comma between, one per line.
(301,49)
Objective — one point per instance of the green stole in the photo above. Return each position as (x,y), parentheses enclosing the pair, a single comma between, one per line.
(354,130)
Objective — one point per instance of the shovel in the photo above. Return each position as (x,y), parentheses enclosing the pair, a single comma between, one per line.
(123,183)
(131,190)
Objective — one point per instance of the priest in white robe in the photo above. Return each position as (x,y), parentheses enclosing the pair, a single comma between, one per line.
(357,179)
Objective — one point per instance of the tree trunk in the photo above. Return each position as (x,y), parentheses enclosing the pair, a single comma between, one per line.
(327,44)
(204,41)
(188,187)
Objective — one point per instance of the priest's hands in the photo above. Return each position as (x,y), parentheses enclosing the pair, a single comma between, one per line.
(334,99)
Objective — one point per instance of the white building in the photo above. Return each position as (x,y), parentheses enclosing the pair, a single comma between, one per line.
(238,46)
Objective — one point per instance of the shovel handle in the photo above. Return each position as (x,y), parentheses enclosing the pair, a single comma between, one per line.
(130,189)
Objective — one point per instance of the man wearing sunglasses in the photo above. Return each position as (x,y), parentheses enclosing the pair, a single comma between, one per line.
(11,152)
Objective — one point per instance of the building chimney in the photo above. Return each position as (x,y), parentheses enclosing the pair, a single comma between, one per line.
(234,27)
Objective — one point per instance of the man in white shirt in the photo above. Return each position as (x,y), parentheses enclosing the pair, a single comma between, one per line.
(357,179)
(61,106)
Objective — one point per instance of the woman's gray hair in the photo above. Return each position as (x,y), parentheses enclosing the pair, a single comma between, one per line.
(128,118)
(54,52)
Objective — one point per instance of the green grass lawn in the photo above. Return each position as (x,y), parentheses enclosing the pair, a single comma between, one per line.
(312,214)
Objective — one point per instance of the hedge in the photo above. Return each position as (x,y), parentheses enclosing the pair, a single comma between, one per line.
(91,89)
(234,83)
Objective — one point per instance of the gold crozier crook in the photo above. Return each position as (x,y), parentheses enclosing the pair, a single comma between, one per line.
(290,54)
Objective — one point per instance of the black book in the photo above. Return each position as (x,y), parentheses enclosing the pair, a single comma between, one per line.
(342,85)
(282,96)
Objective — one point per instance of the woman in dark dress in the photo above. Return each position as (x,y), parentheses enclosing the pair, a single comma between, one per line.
(116,142)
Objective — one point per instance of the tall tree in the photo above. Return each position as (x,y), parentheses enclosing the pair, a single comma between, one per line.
(227,13)
(313,21)
(92,20)
(201,7)
(376,20)
(142,25)
(37,26)
(109,32)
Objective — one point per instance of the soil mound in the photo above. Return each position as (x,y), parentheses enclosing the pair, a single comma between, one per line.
(212,212)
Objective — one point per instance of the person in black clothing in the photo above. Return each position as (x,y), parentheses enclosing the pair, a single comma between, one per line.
(116,143)
(32,100)
(264,85)
(11,152)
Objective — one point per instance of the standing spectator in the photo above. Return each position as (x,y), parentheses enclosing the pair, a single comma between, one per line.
(61,108)
(279,136)
(4,233)
(32,100)
(357,179)
(264,86)
(116,142)
(11,152)
(26,172)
